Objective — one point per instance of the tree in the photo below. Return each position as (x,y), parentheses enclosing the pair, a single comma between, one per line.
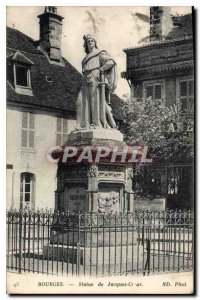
(166,131)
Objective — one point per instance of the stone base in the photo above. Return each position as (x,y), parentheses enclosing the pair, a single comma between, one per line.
(94,239)
(90,136)
(87,184)
(95,255)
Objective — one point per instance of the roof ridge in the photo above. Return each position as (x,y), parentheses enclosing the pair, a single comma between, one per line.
(159,42)
(15,36)
(181,15)
(14,29)
(161,64)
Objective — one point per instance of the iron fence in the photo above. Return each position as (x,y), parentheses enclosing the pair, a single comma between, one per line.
(174,182)
(98,244)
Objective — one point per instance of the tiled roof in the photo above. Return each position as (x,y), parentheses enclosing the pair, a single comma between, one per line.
(58,93)
(182,28)
(18,40)
(155,43)
(156,69)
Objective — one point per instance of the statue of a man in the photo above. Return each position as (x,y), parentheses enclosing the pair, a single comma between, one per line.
(99,81)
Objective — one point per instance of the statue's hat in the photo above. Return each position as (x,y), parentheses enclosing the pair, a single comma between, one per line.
(88,36)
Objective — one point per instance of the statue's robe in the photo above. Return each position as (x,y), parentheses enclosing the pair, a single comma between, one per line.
(89,102)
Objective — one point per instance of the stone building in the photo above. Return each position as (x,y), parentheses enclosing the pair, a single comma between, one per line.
(162,69)
(42,88)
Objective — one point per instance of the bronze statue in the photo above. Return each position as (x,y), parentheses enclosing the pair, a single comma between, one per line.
(99,81)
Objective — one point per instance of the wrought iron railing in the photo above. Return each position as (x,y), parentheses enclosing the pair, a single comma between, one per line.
(173,182)
(98,244)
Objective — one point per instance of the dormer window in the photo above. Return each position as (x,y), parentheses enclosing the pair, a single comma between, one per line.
(22,74)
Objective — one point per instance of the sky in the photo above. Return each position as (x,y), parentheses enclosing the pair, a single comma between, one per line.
(115,28)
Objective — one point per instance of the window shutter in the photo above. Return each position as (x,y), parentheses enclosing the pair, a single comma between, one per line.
(183,86)
(158,94)
(28,124)
(191,88)
(62,130)
(186,94)
(24,120)
(59,125)
(31,139)
(65,125)
(31,121)
(24,138)
(58,139)
(64,138)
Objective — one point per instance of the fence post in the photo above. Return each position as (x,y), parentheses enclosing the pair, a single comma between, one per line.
(143,229)
(148,247)
(20,245)
(78,246)
(78,258)
(148,254)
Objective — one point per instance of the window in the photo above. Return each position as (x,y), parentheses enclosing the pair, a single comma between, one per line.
(154,90)
(186,94)
(27,185)
(28,131)
(22,73)
(22,76)
(62,131)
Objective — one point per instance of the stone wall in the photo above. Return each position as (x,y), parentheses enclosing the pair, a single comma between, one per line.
(32,161)
(146,204)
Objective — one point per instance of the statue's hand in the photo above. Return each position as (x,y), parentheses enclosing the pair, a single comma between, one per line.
(87,71)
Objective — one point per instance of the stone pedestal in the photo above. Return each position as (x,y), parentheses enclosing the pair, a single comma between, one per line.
(93,136)
(103,186)
(96,256)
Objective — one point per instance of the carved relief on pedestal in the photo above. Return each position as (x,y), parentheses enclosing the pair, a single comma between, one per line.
(111,168)
(111,175)
(111,172)
(108,204)
(130,173)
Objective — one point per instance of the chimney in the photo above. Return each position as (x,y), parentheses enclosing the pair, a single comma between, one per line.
(51,33)
(160,22)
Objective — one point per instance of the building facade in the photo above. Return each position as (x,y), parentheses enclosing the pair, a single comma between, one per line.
(162,71)
(163,68)
(41,91)
(42,88)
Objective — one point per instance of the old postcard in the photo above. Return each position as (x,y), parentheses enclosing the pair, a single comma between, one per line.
(100,150)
